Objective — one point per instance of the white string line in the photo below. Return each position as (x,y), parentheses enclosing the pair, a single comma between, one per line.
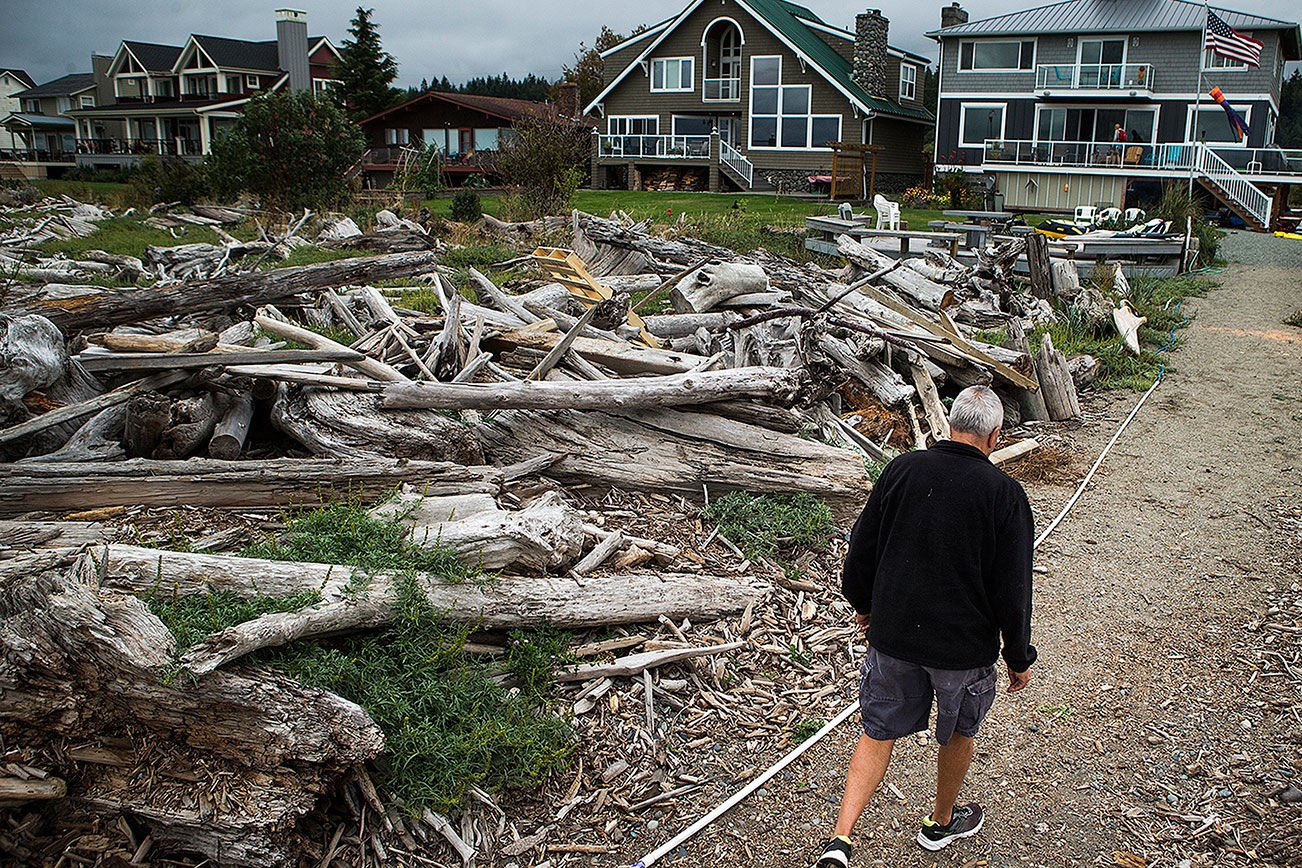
(673,843)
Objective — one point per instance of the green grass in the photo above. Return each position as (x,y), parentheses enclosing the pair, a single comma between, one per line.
(345,533)
(770,524)
(129,236)
(448,722)
(1159,299)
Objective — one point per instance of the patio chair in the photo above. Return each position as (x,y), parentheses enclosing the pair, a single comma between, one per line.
(1084,216)
(1135,215)
(1133,153)
(888,212)
(1107,215)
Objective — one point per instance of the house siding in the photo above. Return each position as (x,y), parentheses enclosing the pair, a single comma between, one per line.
(633,96)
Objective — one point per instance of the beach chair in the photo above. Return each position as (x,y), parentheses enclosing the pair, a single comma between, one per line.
(1084,216)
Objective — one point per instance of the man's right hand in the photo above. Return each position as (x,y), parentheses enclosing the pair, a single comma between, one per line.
(862,620)
(1018,680)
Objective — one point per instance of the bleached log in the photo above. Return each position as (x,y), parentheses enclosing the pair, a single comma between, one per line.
(715,283)
(1055,382)
(16,791)
(886,386)
(80,662)
(684,324)
(1066,279)
(932,408)
(508,602)
(619,357)
(372,368)
(547,534)
(1012,453)
(191,425)
(352,424)
(1084,370)
(776,385)
(1030,403)
(635,664)
(667,450)
(1128,323)
(917,288)
(181,341)
(227,484)
(232,428)
(102,308)
(100,439)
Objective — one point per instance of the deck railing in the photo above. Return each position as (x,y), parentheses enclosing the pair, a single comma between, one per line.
(1142,155)
(1233,184)
(733,159)
(143,147)
(1094,76)
(656,147)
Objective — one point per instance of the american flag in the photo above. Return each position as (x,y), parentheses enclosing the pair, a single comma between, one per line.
(1227,42)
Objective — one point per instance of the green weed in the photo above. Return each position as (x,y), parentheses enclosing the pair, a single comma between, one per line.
(194,618)
(769,524)
(807,728)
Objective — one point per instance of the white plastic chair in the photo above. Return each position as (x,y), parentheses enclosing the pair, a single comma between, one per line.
(1135,215)
(1084,215)
(888,212)
(1107,215)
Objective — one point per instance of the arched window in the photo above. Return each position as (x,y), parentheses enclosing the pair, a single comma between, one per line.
(722,44)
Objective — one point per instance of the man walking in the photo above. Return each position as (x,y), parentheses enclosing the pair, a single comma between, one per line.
(939,568)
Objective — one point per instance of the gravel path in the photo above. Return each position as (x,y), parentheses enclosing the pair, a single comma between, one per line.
(1159,723)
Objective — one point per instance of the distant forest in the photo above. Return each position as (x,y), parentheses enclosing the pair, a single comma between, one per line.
(530,87)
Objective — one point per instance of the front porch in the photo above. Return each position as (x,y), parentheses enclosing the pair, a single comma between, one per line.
(634,157)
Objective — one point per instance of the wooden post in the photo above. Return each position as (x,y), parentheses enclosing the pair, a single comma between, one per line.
(1037,262)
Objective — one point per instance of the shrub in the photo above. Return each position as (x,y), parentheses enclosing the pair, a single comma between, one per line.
(547,159)
(169,179)
(1178,206)
(466,207)
(293,150)
(767,524)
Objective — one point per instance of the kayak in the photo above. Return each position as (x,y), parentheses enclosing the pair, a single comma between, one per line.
(1295,236)
(1057,229)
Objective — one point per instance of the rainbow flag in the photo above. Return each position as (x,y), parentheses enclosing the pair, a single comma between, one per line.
(1237,126)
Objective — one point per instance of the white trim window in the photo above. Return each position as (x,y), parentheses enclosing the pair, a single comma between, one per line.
(252,82)
(997,55)
(979,121)
(640,125)
(908,81)
(692,125)
(673,75)
(88,101)
(781,116)
(1221,63)
(1213,125)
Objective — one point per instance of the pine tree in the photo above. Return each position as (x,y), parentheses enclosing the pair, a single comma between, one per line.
(365,69)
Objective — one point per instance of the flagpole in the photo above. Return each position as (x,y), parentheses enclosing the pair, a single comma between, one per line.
(1198,97)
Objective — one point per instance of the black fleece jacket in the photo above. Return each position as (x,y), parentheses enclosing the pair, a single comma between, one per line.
(941,559)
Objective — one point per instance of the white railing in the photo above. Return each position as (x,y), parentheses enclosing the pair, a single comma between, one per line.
(1200,159)
(1094,76)
(722,90)
(733,159)
(655,147)
(1247,194)
(1262,161)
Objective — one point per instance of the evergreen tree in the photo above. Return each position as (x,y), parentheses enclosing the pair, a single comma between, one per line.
(589,70)
(1288,132)
(365,69)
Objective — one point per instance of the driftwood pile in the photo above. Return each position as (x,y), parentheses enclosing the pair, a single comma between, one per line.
(501,422)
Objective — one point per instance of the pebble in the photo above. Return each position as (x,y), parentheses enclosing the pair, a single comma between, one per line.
(652,825)
(1226,793)
(1172,799)
(1245,723)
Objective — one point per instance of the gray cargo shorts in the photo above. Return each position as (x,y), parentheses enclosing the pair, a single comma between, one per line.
(895,698)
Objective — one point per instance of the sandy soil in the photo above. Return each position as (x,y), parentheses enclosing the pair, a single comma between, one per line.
(1159,724)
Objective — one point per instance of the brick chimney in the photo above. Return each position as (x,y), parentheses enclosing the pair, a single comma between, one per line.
(291,47)
(567,100)
(952,14)
(870,51)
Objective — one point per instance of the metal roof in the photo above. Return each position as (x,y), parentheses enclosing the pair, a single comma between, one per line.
(1120,16)
(40,122)
(65,86)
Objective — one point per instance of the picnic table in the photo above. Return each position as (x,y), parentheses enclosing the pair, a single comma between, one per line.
(831,227)
(981,216)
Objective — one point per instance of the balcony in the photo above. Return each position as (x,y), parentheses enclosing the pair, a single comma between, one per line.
(655,147)
(179,147)
(1094,79)
(722,90)
(1158,158)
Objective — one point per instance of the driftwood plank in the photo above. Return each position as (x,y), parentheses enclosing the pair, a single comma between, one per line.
(244,484)
(58,416)
(104,308)
(171,361)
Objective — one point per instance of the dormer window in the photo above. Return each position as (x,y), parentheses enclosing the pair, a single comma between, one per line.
(252,82)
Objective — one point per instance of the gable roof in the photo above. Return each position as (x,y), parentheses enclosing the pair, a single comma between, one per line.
(789,23)
(239,53)
(498,106)
(19,74)
(67,85)
(153,56)
(1113,16)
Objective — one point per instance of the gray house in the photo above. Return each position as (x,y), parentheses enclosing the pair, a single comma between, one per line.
(748,94)
(1034,98)
(44,136)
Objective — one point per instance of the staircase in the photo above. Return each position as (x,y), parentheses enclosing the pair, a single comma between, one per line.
(1236,192)
(11,172)
(736,166)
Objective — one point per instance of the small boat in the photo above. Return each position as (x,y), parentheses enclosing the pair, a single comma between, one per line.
(1057,229)
(1294,236)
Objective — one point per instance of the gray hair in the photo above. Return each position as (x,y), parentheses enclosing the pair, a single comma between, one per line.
(977,410)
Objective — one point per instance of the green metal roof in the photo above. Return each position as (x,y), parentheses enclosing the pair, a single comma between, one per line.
(778,13)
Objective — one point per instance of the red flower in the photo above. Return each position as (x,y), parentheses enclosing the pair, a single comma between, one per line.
(669,211)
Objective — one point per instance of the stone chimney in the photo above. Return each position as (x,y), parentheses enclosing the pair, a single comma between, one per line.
(870,51)
(952,14)
(567,100)
(291,47)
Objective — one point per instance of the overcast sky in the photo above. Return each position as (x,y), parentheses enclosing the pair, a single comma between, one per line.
(50,38)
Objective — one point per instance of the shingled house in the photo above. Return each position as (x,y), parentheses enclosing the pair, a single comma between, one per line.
(750,93)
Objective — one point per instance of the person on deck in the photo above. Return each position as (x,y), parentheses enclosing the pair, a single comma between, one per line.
(938,570)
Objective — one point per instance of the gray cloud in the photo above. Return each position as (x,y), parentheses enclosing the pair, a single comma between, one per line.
(429,40)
